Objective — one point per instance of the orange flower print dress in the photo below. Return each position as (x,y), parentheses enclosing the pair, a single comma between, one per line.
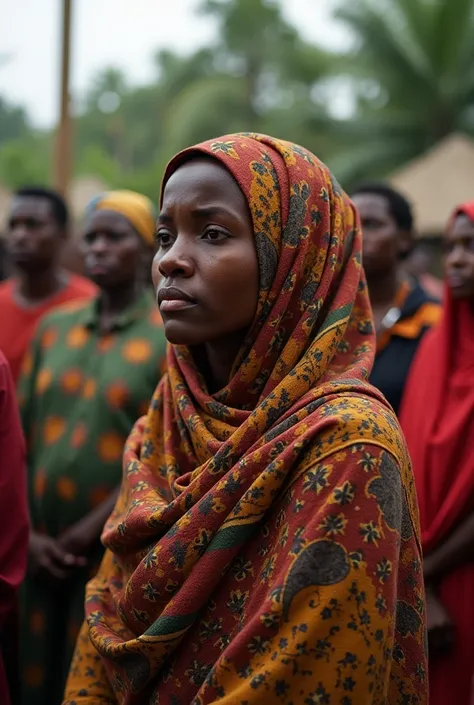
(265,546)
(80,395)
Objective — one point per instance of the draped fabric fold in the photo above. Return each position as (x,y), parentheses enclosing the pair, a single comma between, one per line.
(207,476)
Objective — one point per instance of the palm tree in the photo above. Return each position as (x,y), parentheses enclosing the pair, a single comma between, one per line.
(412,65)
(259,75)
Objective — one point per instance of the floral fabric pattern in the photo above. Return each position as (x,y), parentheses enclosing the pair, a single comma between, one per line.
(265,544)
(81,392)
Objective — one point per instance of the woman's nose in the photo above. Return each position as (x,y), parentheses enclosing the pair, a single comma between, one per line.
(457,255)
(175,260)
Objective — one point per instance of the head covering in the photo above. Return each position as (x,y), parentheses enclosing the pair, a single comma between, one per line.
(137,209)
(203,473)
(438,417)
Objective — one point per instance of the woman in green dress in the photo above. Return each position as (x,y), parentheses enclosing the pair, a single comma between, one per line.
(90,372)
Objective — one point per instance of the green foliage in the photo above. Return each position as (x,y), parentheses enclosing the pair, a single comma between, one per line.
(409,73)
(24,160)
(412,68)
(13,121)
(94,160)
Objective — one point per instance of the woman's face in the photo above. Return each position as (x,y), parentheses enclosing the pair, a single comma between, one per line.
(459,258)
(205,270)
(113,251)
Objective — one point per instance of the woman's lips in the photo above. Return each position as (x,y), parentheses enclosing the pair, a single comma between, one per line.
(170,298)
(456,282)
(98,269)
(175,304)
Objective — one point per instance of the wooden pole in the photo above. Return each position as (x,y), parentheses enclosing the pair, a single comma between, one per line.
(63,155)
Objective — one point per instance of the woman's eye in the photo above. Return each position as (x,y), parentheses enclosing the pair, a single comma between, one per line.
(214,235)
(162,237)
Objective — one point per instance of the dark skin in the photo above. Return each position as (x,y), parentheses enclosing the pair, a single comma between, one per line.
(459,258)
(113,256)
(419,262)
(458,548)
(4,263)
(35,240)
(384,243)
(206,250)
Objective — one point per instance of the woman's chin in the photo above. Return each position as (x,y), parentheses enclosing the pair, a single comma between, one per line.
(180,333)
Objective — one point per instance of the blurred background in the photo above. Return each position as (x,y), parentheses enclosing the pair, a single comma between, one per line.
(376,88)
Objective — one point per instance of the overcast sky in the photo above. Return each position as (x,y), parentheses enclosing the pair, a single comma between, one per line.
(121,33)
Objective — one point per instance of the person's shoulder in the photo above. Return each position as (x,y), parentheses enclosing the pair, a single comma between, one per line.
(421,310)
(360,408)
(431,311)
(351,419)
(6,380)
(6,290)
(361,435)
(82,285)
(66,313)
(368,418)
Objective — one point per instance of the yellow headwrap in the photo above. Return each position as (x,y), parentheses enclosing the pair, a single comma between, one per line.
(138,209)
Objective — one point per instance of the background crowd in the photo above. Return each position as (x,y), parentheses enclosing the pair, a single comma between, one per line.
(82,342)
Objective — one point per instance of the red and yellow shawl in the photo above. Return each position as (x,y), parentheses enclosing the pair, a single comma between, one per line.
(265,545)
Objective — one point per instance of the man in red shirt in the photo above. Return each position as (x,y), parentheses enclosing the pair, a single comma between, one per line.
(36,231)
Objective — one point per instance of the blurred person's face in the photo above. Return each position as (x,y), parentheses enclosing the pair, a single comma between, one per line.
(383,242)
(34,237)
(459,258)
(112,249)
(206,268)
(419,262)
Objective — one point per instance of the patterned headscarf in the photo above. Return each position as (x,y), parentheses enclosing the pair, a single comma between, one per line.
(202,472)
(137,209)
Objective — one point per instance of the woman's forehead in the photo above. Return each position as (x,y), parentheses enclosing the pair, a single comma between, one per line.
(107,218)
(202,180)
(462,226)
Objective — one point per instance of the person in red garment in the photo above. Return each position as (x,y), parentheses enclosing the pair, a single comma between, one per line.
(438,420)
(13,521)
(37,229)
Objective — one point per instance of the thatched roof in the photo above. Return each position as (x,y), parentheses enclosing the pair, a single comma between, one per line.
(437,182)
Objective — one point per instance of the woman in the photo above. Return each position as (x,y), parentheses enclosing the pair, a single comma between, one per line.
(438,420)
(264,544)
(92,368)
(13,529)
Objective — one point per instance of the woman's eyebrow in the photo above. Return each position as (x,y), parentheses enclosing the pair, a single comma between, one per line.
(208,211)
(164,218)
